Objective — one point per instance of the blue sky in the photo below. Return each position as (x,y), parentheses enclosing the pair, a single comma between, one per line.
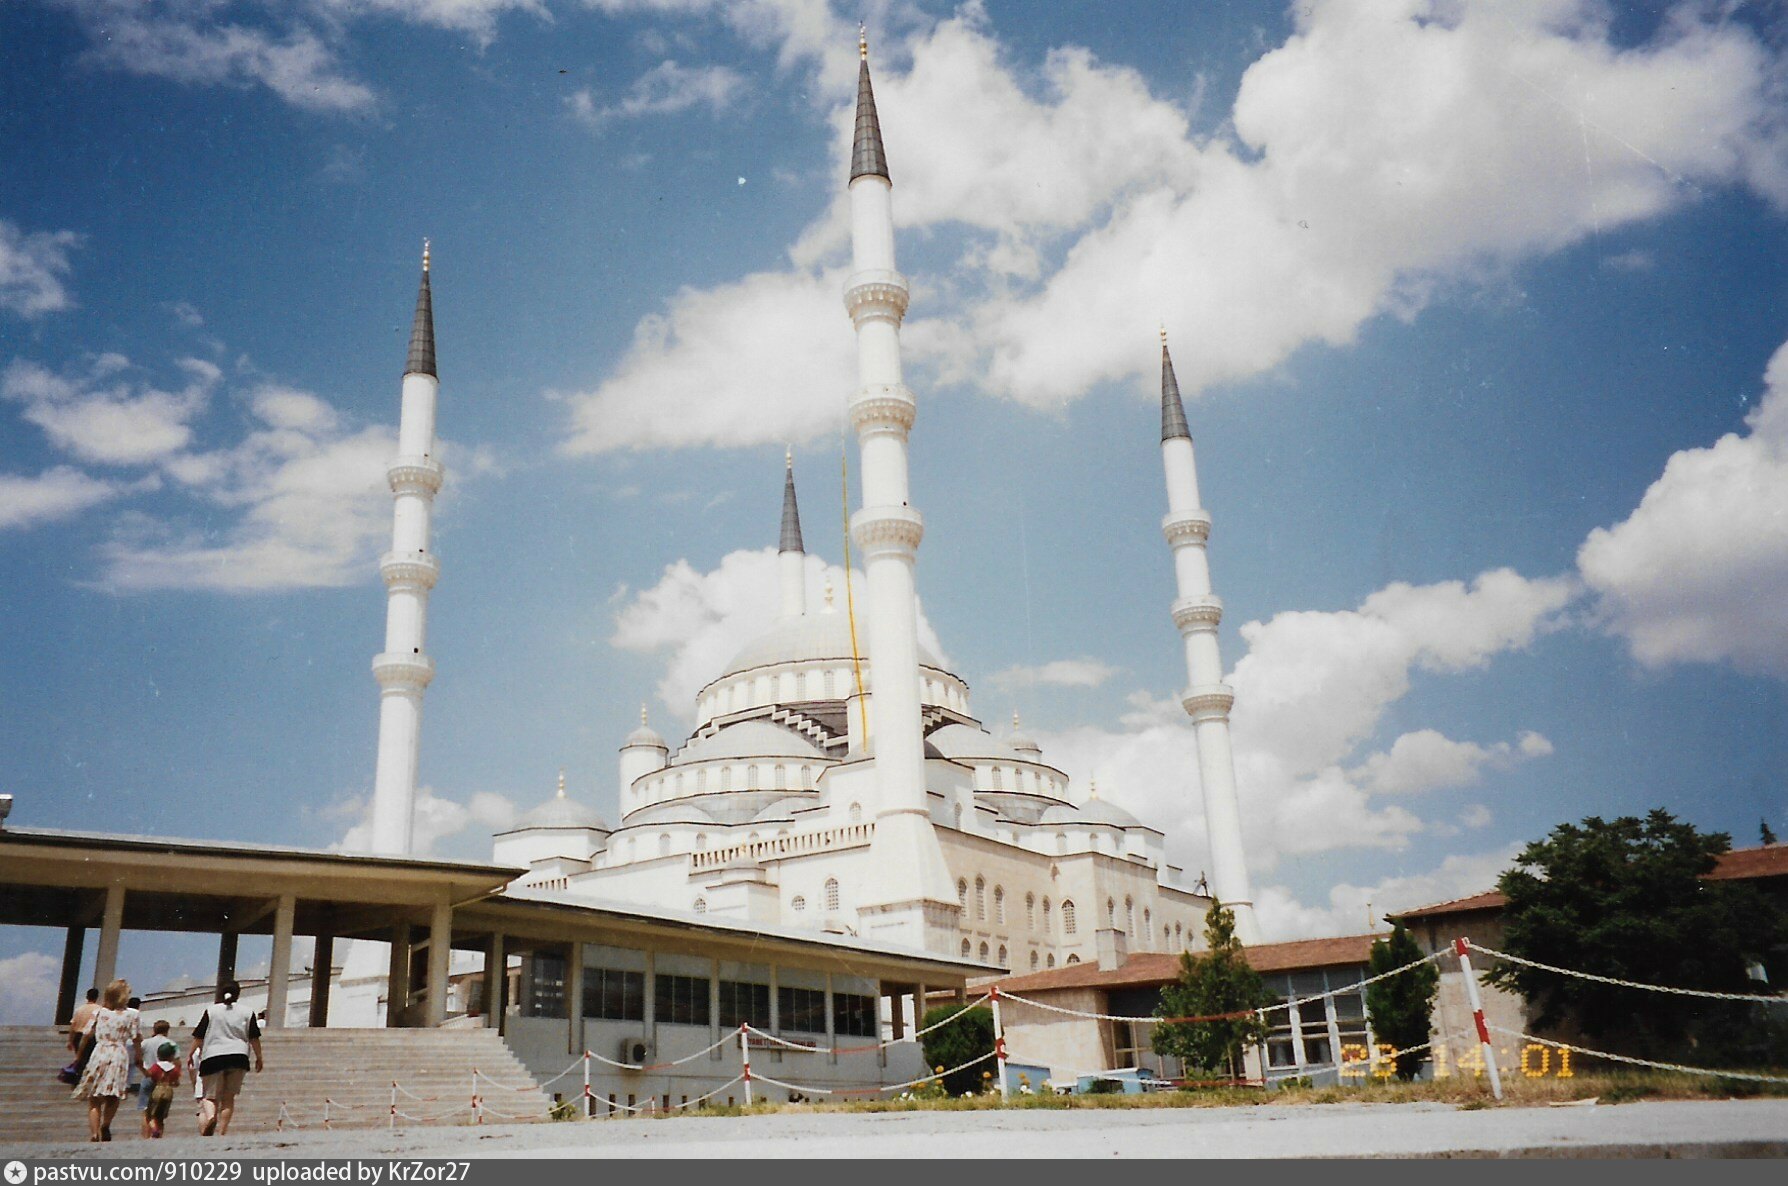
(1475,306)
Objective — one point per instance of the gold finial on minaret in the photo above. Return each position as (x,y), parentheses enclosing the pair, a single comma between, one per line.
(862,41)
(425,255)
(788,457)
(1163,333)
(561,782)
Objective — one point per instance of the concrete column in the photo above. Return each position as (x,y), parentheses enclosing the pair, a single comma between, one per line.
(440,956)
(226,960)
(831,1023)
(279,963)
(397,980)
(68,992)
(105,964)
(322,957)
(496,981)
(897,1014)
(574,999)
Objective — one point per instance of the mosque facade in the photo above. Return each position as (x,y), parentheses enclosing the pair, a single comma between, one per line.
(837,778)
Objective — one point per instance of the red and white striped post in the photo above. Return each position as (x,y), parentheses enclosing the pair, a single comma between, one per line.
(589,1100)
(1477,1015)
(999,1045)
(745,1062)
(393,1123)
(477,1104)
(326,1102)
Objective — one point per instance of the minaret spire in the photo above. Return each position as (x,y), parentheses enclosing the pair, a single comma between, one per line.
(911,899)
(1196,612)
(791,556)
(403,669)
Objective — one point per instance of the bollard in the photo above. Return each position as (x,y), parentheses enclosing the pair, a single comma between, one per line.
(999,1046)
(745,1061)
(1477,1015)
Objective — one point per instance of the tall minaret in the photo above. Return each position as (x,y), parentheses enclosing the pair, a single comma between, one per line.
(910,899)
(790,555)
(410,570)
(1196,612)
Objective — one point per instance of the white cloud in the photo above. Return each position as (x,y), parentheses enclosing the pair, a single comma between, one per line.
(33,268)
(1427,760)
(665,89)
(101,418)
(31,980)
(190,43)
(767,359)
(1699,571)
(477,17)
(1355,909)
(702,619)
(58,493)
(1059,673)
(437,822)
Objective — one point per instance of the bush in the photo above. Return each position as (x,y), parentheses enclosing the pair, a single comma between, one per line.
(1104,1087)
(965,1039)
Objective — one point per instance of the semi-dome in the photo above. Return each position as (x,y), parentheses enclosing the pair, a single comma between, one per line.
(1093,811)
(672,811)
(966,741)
(785,808)
(825,635)
(750,739)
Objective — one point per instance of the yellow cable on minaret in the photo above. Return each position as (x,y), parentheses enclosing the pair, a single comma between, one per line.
(850,601)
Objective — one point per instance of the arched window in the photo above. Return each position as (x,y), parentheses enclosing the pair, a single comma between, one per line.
(1050,962)
(1033,961)
(798,903)
(856,812)
(1073,959)
(832,694)
(980,897)
(1061,842)
(701,905)
(1046,919)
(1002,955)
(965,949)
(664,844)
(781,777)
(1068,920)
(751,777)
(983,955)
(1178,935)
(701,779)
(1166,937)
(962,894)
(1030,912)
(831,895)
(1129,916)
(956,816)
(701,840)
(999,778)
(999,905)
(1110,913)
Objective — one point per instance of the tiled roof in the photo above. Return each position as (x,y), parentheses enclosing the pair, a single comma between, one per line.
(1146,969)
(1741,864)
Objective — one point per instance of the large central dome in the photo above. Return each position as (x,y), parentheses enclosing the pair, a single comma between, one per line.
(825,635)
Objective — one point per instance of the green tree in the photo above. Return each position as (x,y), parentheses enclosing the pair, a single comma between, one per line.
(1627,899)
(1401,1007)
(967,1038)
(1217,982)
(1764,833)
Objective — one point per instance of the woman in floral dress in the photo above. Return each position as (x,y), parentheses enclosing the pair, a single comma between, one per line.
(117,1046)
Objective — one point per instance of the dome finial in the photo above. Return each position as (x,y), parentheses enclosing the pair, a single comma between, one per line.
(788,457)
(642,712)
(425,255)
(862,41)
(828,594)
(1015,725)
(561,782)
(1092,788)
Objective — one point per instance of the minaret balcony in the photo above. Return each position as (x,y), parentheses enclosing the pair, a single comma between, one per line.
(876,292)
(1205,702)
(885,407)
(1186,527)
(415,475)
(887,529)
(1201,612)
(416,569)
(397,671)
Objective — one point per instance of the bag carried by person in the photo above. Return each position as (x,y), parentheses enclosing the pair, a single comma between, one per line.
(70,1074)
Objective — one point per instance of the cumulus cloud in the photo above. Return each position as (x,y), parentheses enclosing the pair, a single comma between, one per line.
(440,825)
(58,493)
(1059,673)
(1698,572)
(701,619)
(665,89)
(101,416)
(1381,155)
(1428,760)
(31,979)
(1312,689)
(1353,909)
(33,269)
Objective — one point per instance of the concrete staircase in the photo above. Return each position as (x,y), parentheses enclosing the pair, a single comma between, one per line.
(352,1068)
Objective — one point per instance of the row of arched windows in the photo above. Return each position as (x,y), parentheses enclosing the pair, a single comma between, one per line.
(798,903)
(979,904)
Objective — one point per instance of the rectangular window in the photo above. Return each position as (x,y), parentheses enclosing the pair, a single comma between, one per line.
(543,988)
(801,1010)
(742,1003)
(614,996)
(680,1000)
(855,1016)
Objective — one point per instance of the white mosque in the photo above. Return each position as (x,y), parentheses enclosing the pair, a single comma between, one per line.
(837,779)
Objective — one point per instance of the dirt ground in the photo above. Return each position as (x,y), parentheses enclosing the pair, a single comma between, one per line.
(1680,1128)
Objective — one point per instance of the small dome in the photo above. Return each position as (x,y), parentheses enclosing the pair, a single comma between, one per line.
(784,809)
(180,983)
(966,741)
(1020,741)
(673,811)
(1093,811)
(644,735)
(562,812)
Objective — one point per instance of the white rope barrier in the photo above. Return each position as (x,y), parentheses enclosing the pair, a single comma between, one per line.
(1755,998)
(1642,1062)
(657,1066)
